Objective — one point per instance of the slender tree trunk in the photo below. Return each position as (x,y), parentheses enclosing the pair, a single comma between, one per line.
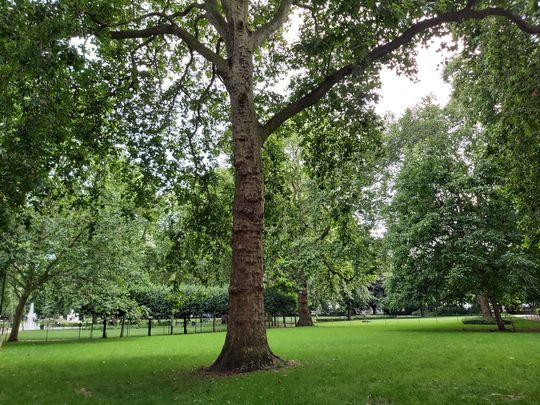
(149,326)
(122,326)
(484,306)
(497,312)
(213,322)
(349,312)
(185,325)
(304,314)
(3,288)
(17,319)
(246,347)
(104,335)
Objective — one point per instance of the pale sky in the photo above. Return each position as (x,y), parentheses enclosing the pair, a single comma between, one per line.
(399,93)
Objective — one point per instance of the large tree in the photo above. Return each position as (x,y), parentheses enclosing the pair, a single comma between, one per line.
(453,233)
(502,92)
(340,47)
(88,238)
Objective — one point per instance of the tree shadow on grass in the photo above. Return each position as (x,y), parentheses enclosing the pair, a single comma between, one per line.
(138,379)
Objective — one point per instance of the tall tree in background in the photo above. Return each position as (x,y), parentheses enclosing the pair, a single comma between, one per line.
(341,45)
(502,91)
(452,231)
(93,236)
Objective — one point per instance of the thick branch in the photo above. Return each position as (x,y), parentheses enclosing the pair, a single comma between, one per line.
(142,17)
(216,18)
(173,29)
(381,51)
(324,233)
(499,12)
(266,30)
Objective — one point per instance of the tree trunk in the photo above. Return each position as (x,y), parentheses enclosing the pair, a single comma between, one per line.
(17,319)
(122,326)
(246,347)
(349,312)
(484,306)
(498,317)
(304,314)
(149,326)
(185,325)
(3,288)
(104,335)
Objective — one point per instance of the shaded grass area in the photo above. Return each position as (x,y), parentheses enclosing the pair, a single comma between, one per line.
(380,362)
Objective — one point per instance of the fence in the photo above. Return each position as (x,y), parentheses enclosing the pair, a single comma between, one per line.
(160,327)
(52,331)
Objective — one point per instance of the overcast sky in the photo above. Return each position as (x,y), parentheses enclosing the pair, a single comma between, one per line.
(399,93)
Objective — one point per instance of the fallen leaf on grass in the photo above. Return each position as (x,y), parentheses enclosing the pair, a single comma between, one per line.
(85,392)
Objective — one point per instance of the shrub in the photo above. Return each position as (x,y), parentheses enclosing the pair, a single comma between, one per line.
(481,321)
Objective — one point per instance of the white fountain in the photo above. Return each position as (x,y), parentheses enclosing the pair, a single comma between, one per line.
(30,323)
(72,317)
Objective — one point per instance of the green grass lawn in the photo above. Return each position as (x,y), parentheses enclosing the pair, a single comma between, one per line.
(381,362)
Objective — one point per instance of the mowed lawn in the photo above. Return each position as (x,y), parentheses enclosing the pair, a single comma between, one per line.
(392,362)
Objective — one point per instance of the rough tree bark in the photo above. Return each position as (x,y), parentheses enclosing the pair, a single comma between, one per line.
(498,317)
(18,316)
(304,318)
(484,307)
(246,347)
